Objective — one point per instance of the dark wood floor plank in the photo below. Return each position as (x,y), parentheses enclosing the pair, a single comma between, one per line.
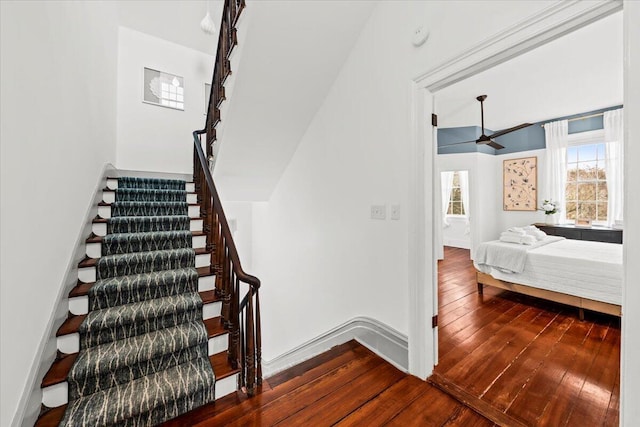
(555,376)
(312,363)
(387,405)
(305,395)
(432,408)
(335,406)
(508,384)
(593,400)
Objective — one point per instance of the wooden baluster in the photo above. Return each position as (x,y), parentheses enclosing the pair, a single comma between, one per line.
(219,259)
(258,341)
(234,327)
(250,359)
(243,349)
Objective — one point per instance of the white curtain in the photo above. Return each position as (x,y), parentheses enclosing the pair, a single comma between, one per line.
(614,166)
(556,136)
(446,186)
(464,194)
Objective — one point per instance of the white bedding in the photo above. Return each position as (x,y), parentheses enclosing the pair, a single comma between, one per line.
(576,267)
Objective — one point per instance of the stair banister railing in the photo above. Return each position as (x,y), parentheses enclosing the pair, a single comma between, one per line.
(240,315)
(244,336)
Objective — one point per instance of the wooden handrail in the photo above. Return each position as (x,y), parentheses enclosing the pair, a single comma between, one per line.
(241,318)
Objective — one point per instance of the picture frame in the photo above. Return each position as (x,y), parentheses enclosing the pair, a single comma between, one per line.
(163,89)
(520,184)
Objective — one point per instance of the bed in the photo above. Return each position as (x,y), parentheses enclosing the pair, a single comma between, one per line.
(584,274)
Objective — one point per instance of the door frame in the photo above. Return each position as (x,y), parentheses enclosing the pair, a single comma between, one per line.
(542,27)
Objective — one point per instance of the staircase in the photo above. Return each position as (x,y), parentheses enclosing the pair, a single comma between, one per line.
(163,318)
(144,341)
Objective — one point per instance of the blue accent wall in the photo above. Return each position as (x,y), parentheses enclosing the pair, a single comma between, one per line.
(530,138)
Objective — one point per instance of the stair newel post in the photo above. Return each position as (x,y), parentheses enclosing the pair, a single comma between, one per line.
(258,341)
(251,350)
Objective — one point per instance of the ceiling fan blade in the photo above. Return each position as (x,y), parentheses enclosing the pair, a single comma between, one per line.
(513,129)
(456,143)
(495,145)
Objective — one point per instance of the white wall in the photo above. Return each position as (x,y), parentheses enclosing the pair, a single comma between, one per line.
(456,235)
(58,85)
(322,258)
(150,137)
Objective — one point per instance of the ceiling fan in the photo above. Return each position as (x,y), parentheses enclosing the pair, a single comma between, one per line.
(488,139)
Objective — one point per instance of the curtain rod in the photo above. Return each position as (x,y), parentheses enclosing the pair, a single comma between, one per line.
(582,117)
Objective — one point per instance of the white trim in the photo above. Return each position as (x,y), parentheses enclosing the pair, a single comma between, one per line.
(383,340)
(546,25)
(542,27)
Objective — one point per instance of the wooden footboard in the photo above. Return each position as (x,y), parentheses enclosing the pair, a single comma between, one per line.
(581,303)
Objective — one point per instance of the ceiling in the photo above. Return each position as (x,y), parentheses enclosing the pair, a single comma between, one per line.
(579,72)
(177,21)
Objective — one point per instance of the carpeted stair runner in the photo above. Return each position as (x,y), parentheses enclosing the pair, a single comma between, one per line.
(143,345)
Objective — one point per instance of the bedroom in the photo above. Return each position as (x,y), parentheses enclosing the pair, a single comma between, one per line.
(577,75)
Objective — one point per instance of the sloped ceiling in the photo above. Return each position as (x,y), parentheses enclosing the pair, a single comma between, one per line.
(579,72)
(289,59)
(177,21)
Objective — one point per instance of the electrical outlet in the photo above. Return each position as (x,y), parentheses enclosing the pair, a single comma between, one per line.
(378,211)
(395,212)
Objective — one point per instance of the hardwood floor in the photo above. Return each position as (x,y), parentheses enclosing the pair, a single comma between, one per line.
(518,360)
(346,386)
(531,360)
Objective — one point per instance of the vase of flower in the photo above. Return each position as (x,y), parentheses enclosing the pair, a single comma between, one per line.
(551,219)
(551,210)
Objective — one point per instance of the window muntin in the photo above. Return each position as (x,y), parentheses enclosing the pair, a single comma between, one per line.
(456,206)
(586,189)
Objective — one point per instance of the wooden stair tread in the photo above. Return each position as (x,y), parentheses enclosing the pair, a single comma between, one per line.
(98,239)
(91,262)
(221,366)
(82,289)
(116,177)
(59,370)
(52,417)
(103,203)
(98,220)
(113,191)
(214,327)
(72,324)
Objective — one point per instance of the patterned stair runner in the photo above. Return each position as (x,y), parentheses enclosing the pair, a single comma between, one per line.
(143,345)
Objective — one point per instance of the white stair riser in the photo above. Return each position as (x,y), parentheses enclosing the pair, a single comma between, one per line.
(55,395)
(226,386)
(94,250)
(105,211)
(70,343)
(80,305)
(100,228)
(113,184)
(110,197)
(58,394)
(88,274)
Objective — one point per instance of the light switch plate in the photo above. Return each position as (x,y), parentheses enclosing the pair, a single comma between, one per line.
(378,211)
(395,212)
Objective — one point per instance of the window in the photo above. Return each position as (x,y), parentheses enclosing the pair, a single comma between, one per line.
(455,200)
(586,190)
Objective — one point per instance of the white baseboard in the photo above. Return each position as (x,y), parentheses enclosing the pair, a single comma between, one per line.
(383,340)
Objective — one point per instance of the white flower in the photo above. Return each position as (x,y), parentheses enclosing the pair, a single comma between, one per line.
(548,207)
